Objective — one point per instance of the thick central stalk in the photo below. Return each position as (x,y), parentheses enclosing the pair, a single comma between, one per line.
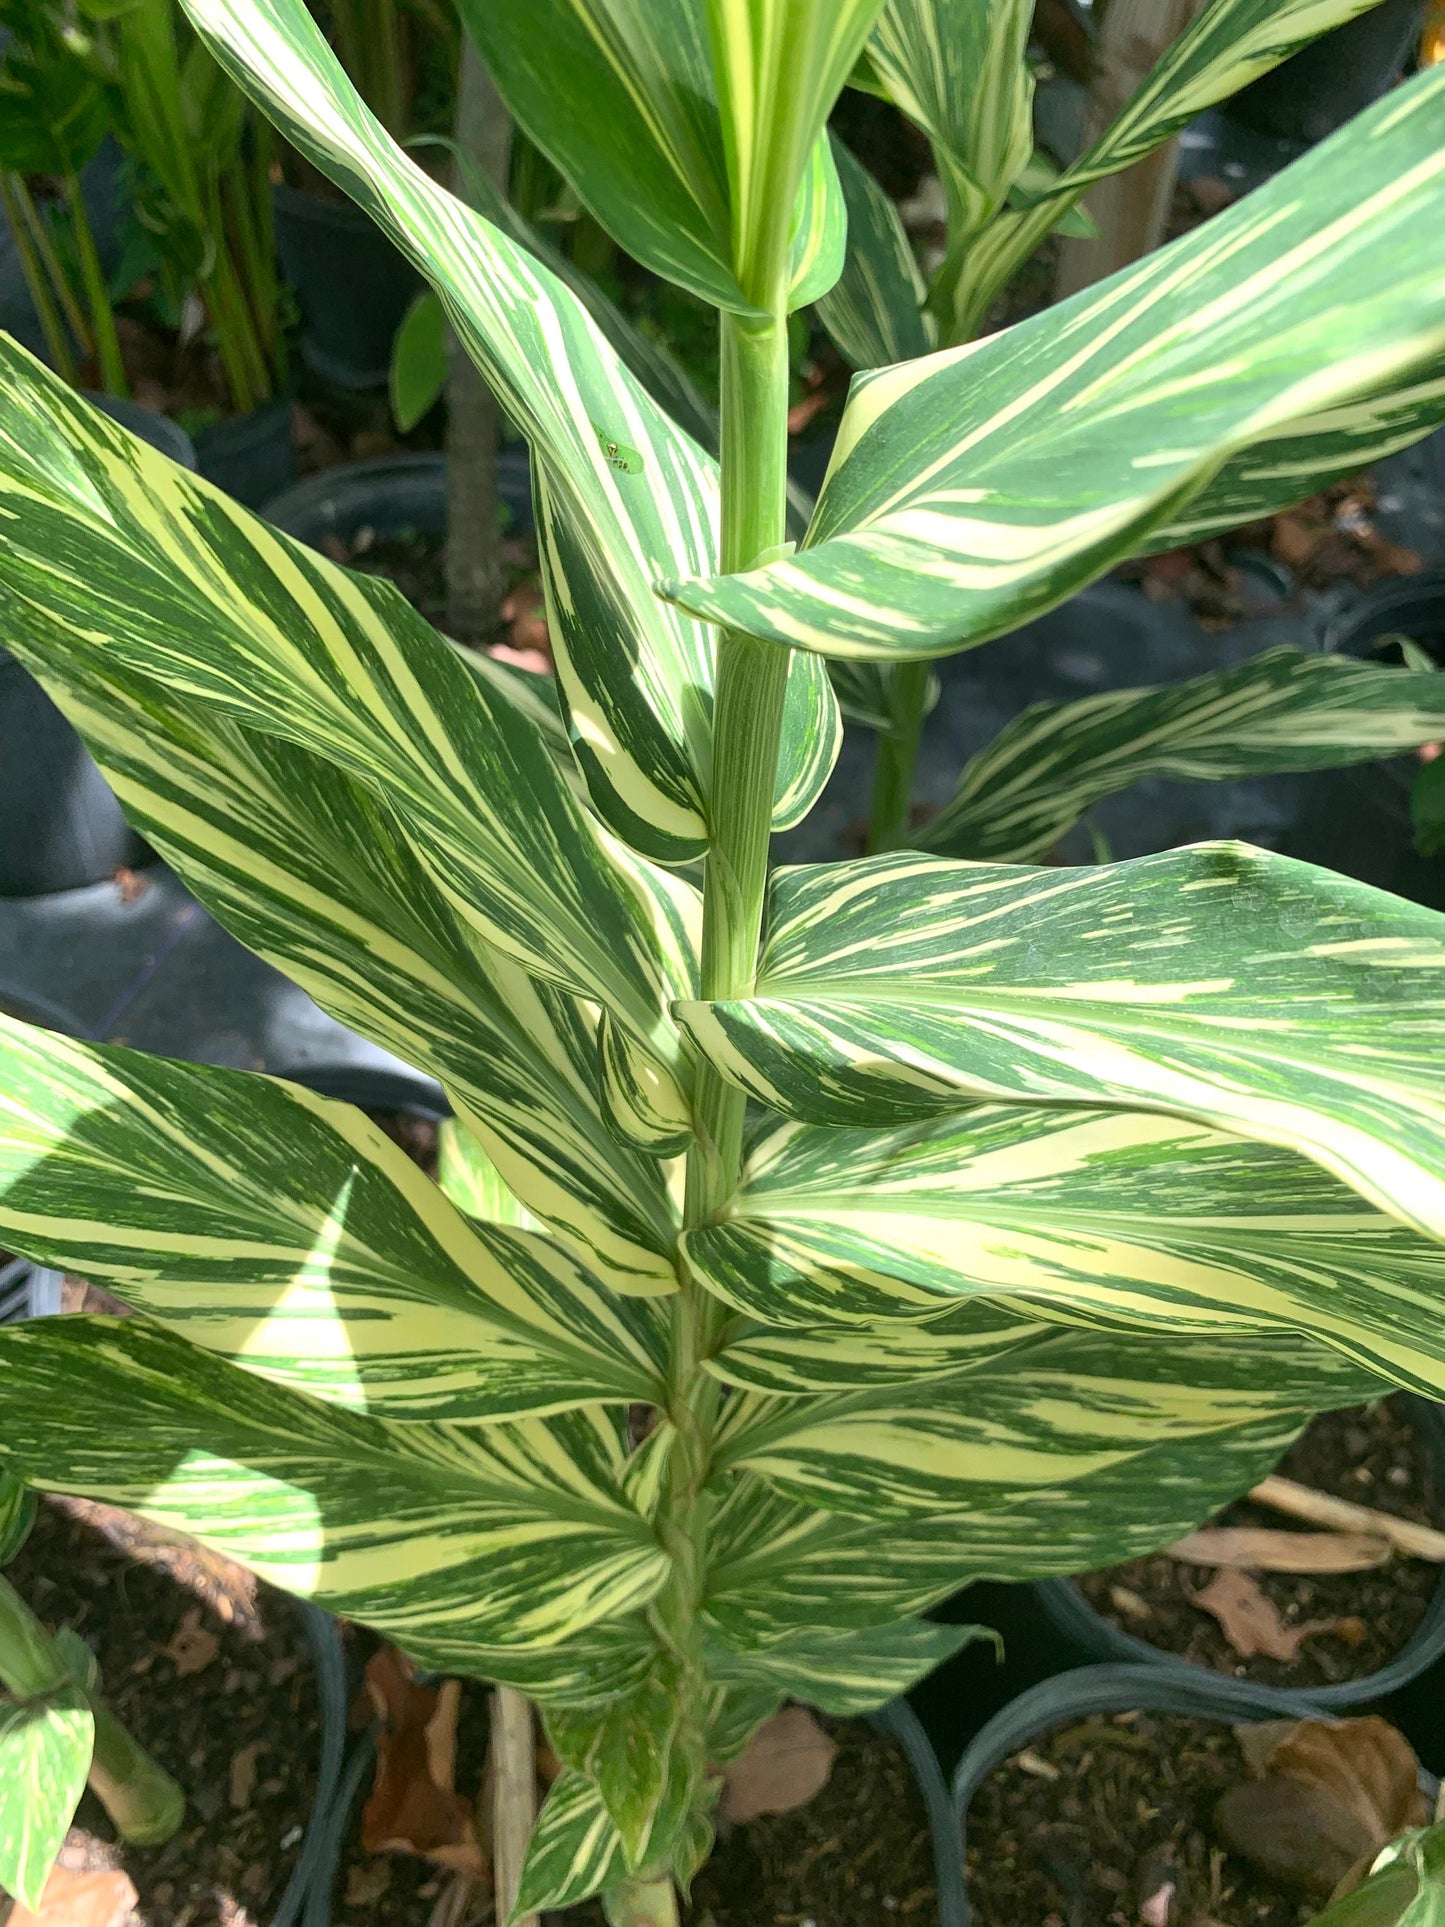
(752,680)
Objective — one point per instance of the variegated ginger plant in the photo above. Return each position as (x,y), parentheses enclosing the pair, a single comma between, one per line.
(1066,1195)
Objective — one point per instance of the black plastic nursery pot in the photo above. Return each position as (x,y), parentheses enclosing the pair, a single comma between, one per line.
(252,456)
(394,495)
(1318,89)
(351,284)
(1092,1690)
(60,825)
(1088,1636)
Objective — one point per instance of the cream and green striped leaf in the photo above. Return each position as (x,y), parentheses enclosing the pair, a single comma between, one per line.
(874,311)
(1070,1404)
(909,1253)
(624,495)
(290,1235)
(868,694)
(470,1178)
(977,487)
(1283,710)
(111,552)
(1217,982)
(575,1850)
(959,70)
(464,1544)
(312,871)
(17,1515)
(636,1753)
(45,1752)
(846,1673)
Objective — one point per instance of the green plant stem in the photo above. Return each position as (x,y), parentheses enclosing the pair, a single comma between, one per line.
(97,295)
(36,280)
(896,758)
(65,294)
(140,1796)
(747,725)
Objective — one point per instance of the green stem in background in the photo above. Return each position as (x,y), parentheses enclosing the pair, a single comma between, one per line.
(44,246)
(140,1796)
(747,726)
(97,295)
(57,340)
(896,757)
(246,194)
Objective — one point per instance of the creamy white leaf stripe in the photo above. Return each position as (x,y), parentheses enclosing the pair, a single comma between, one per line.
(974,488)
(1219,982)
(45,1752)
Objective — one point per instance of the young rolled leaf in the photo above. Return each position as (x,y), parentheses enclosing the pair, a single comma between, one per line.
(45,1749)
(874,311)
(623,494)
(1070,1405)
(1114,1218)
(1283,710)
(464,1544)
(1218,982)
(121,556)
(978,487)
(290,1235)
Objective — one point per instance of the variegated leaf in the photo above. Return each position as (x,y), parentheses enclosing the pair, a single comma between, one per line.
(1070,1404)
(958,68)
(313,872)
(874,311)
(1283,710)
(785,1565)
(114,556)
(1218,982)
(623,495)
(17,1515)
(868,694)
(575,1850)
(846,1673)
(973,489)
(470,1178)
(635,1751)
(464,1544)
(45,1750)
(290,1235)
(1113,1218)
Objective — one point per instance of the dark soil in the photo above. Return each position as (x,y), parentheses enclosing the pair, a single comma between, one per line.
(417,1135)
(1369,1453)
(240,1729)
(1087,1825)
(857,1855)
(412,560)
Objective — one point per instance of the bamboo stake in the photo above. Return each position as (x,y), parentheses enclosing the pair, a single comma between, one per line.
(1342,1515)
(514,1797)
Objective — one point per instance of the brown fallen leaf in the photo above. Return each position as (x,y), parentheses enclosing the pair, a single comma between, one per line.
(1259,1549)
(1327,1796)
(193,1647)
(414,1806)
(243,1775)
(784,1764)
(1251,1621)
(80,1900)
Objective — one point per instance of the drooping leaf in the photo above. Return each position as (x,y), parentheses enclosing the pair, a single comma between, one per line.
(874,311)
(114,557)
(636,679)
(1283,710)
(1120,1219)
(1218,982)
(1068,1406)
(45,1749)
(575,1850)
(975,488)
(464,1544)
(846,1673)
(290,1235)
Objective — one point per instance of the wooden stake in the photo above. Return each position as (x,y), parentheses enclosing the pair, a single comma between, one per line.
(514,1796)
(1341,1515)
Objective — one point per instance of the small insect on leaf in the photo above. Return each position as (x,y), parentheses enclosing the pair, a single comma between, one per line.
(619,454)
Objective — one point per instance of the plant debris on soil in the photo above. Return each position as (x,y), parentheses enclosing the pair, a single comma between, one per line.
(1107,1822)
(1369,1453)
(414,559)
(211,1671)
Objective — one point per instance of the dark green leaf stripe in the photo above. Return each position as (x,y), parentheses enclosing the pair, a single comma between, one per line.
(637,679)
(291,1235)
(461,1543)
(975,488)
(312,871)
(1117,1218)
(1070,1404)
(112,554)
(45,1750)
(1283,710)
(874,311)
(1219,982)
